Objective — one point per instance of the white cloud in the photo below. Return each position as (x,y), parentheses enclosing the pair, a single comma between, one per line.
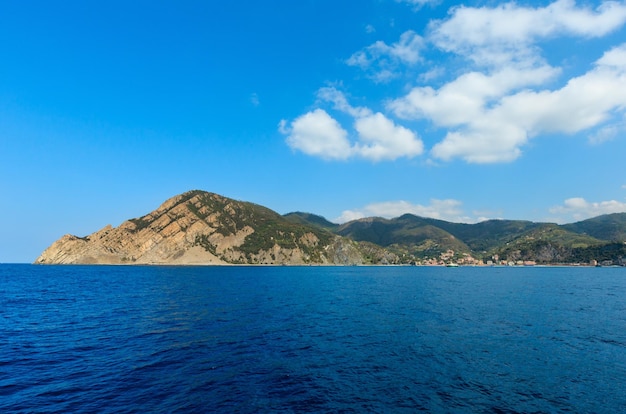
(505,93)
(360,59)
(349,215)
(254,99)
(492,118)
(508,31)
(614,58)
(384,59)
(449,210)
(383,76)
(578,208)
(317,133)
(432,74)
(370,29)
(481,147)
(381,139)
(378,137)
(419,3)
(340,102)
(607,133)
(406,50)
(463,99)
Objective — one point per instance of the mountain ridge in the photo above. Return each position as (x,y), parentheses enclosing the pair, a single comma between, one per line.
(199,227)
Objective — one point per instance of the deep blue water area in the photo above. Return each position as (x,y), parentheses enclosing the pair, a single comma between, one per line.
(125,339)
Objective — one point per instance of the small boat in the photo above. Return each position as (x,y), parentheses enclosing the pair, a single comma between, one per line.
(452,265)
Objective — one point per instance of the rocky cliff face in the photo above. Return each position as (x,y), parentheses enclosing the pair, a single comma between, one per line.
(204,228)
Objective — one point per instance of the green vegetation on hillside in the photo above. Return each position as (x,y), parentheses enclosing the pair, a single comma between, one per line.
(310,219)
(263,233)
(417,237)
(611,227)
(269,228)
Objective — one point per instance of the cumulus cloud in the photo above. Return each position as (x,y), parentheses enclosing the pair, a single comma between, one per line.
(508,31)
(463,99)
(503,93)
(577,208)
(492,118)
(449,210)
(381,139)
(317,133)
(377,137)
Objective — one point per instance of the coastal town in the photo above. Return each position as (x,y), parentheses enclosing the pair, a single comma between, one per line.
(450,259)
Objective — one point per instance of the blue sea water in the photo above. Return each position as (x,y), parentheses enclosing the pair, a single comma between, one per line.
(124,339)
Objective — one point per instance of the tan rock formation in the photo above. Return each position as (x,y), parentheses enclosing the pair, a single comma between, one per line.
(204,228)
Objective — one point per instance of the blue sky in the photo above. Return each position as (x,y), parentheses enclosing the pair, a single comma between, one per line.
(459,111)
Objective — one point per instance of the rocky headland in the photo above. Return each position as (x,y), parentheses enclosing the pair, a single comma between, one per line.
(198,227)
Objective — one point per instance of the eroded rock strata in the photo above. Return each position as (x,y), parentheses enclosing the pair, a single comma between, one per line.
(198,227)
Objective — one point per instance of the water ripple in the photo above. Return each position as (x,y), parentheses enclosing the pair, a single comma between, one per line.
(276,339)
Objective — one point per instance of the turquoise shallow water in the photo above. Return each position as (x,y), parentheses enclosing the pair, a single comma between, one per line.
(312,339)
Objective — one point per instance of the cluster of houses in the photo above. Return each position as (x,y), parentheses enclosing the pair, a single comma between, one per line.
(449,258)
(621,261)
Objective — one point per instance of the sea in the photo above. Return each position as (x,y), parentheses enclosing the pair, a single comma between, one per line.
(356,339)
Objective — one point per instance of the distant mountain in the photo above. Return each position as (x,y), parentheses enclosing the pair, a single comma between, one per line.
(310,219)
(407,234)
(198,227)
(488,235)
(548,243)
(417,238)
(205,228)
(607,227)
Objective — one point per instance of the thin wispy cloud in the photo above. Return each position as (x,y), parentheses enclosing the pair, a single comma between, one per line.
(605,134)
(382,62)
(418,4)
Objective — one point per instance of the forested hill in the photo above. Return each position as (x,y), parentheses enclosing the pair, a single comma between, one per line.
(600,238)
(198,227)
